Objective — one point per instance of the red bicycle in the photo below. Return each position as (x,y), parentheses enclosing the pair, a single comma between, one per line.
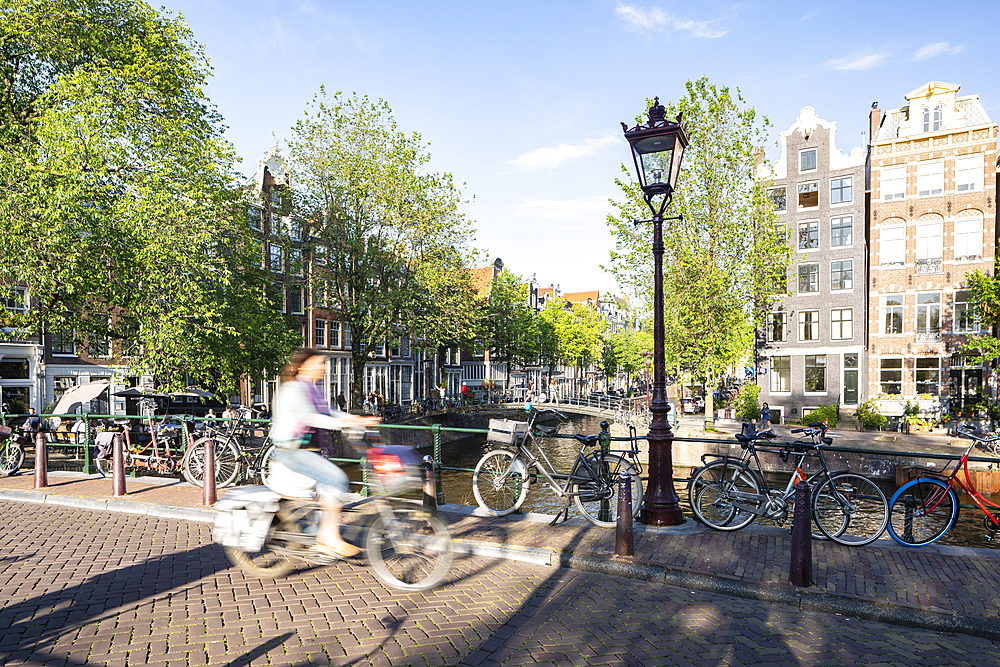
(926,508)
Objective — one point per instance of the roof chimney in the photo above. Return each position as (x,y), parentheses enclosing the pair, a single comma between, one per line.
(874,121)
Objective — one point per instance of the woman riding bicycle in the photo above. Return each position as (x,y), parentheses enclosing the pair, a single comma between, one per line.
(301,413)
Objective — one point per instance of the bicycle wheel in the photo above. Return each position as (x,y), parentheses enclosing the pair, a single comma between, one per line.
(265,461)
(850,509)
(500,482)
(11,458)
(267,563)
(412,552)
(227,462)
(105,466)
(921,511)
(715,488)
(597,499)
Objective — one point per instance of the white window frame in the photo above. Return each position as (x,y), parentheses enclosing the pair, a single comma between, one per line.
(813,323)
(295,262)
(839,323)
(969,239)
(334,328)
(319,329)
(782,317)
(16,299)
(805,375)
(963,303)
(882,369)
(850,226)
(885,309)
(930,240)
(917,370)
(925,310)
(799,290)
(258,216)
(798,193)
(896,177)
(770,195)
(808,226)
(969,173)
(930,178)
(849,187)
(841,262)
(894,255)
(802,153)
(276,251)
(776,387)
(319,255)
(302,300)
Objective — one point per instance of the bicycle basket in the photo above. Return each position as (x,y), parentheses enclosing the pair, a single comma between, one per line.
(394,468)
(506,431)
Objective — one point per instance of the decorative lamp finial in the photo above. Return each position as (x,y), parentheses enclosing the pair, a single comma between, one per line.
(656,112)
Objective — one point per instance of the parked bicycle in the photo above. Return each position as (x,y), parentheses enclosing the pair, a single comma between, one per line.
(238,461)
(503,477)
(926,508)
(265,533)
(728,494)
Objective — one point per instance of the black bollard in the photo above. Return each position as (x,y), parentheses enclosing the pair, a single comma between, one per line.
(801,567)
(208,480)
(430,495)
(117,467)
(41,462)
(624,544)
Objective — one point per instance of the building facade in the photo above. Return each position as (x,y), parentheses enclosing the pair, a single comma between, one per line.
(932,166)
(811,351)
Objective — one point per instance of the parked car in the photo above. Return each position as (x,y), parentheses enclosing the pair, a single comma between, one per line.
(687,405)
(699,403)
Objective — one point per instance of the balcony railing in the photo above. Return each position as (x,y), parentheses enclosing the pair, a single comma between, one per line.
(926,266)
(928,335)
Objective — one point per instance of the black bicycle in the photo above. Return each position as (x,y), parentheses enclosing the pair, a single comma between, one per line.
(727,494)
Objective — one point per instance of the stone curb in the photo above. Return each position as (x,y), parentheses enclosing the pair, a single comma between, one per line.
(883,612)
(112,505)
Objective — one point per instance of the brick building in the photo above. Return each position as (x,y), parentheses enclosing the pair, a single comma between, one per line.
(812,346)
(932,169)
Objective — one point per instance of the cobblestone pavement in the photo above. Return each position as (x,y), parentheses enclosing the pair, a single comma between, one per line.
(104,588)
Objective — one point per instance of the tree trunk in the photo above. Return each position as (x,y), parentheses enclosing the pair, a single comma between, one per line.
(709,397)
(358,361)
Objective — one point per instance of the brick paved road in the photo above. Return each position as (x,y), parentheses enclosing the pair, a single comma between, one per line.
(101,588)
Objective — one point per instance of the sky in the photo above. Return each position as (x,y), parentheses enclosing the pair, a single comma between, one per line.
(522,101)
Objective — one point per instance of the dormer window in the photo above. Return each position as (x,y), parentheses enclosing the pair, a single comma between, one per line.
(938,118)
(926,116)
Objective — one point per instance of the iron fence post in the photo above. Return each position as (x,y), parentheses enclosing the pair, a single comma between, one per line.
(430,495)
(88,459)
(801,565)
(436,434)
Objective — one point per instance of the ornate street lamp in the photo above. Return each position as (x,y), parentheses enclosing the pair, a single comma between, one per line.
(657,149)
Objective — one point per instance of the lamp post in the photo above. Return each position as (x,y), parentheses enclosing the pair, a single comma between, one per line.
(657,149)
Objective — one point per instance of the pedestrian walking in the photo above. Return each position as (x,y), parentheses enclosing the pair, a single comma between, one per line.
(764,423)
(341,402)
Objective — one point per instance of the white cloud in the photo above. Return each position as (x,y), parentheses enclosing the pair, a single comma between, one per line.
(808,16)
(858,61)
(551,157)
(936,49)
(642,19)
(585,213)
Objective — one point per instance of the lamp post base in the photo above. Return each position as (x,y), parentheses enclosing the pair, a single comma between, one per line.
(661,507)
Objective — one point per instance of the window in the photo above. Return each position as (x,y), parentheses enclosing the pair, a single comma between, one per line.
(319,253)
(968,239)
(929,312)
(295,304)
(842,231)
(842,275)
(98,346)
(929,241)
(295,261)
(777,197)
(892,313)
(938,119)
(891,376)
(925,116)
(893,183)
(808,325)
(334,334)
(807,160)
(928,375)
(968,173)
(776,328)
(319,294)
(17,299)
(808,195)
(781,232)
(930,178)
(841,190)
(63,341)
(347,336)
(277,259)
(781,374)
(809,235)
(404,346)
(13,368)
(292,227)
(320,333)
(815,372)
(893,246)
(808,278)
(254,216)
(842,323)
(965,313)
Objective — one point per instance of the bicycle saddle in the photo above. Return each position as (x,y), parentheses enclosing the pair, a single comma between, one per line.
(547,430)
(120,422)
(589,440)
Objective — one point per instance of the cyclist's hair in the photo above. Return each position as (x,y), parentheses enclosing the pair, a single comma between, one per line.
(299,357)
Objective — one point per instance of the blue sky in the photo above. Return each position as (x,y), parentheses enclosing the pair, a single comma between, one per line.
(522,100)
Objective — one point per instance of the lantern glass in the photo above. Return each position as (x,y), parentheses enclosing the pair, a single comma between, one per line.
(655,155)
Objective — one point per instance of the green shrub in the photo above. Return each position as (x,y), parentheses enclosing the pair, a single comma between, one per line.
(747,406)
(868,411)
(823,412)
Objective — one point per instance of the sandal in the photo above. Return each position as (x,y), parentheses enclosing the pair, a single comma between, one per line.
(346,551)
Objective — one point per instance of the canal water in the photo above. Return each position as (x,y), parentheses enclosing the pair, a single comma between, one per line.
(465,453)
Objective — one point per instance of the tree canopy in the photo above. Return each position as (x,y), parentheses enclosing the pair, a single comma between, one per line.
(119,209)
(398,237)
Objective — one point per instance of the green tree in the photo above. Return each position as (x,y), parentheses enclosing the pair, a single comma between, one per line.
(512,332)
(119,209)
(394,231)
(723,259)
